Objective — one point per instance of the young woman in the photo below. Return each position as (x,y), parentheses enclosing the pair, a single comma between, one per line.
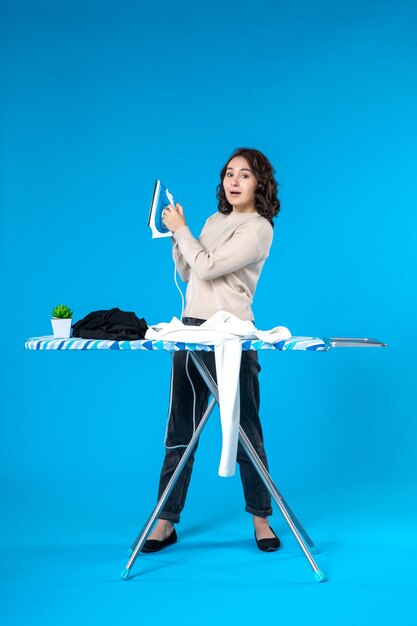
(222,268)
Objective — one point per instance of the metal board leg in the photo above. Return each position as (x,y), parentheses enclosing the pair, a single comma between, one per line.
(270,485)
(289,517)
(141,538)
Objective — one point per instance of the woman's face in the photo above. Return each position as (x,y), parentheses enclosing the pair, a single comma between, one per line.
(239,184)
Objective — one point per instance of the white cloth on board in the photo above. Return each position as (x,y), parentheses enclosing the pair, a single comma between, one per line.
(226,332)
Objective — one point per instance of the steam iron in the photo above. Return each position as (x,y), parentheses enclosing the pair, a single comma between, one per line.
(160,199)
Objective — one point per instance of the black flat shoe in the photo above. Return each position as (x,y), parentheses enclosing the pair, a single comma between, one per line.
(268,545)
(154,545)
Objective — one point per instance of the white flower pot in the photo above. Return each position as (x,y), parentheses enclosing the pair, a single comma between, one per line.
(61,328)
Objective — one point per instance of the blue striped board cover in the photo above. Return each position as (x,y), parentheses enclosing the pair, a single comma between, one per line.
(48,342)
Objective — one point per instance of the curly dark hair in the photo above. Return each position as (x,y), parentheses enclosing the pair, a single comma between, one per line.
(266,194)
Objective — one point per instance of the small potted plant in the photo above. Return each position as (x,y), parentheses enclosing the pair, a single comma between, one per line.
(61,321)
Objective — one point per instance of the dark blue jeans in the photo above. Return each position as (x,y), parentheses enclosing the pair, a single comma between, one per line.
(189,389)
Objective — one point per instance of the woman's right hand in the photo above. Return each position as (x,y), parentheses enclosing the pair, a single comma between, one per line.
(173,217)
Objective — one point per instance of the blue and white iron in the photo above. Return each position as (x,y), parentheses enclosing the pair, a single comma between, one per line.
(160,199)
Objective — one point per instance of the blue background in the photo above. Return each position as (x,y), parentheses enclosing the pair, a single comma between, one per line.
(100,98)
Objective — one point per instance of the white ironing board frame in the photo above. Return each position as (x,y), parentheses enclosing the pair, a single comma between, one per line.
(304,540)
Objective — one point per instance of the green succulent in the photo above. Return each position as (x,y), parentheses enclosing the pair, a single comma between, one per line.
(62,312)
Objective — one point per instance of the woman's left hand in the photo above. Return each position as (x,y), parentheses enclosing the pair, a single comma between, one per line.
(173,217)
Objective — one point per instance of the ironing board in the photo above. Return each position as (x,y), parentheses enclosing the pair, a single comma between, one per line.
(317,344)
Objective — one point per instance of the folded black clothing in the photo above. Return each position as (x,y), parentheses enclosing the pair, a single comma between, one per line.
(110,324)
